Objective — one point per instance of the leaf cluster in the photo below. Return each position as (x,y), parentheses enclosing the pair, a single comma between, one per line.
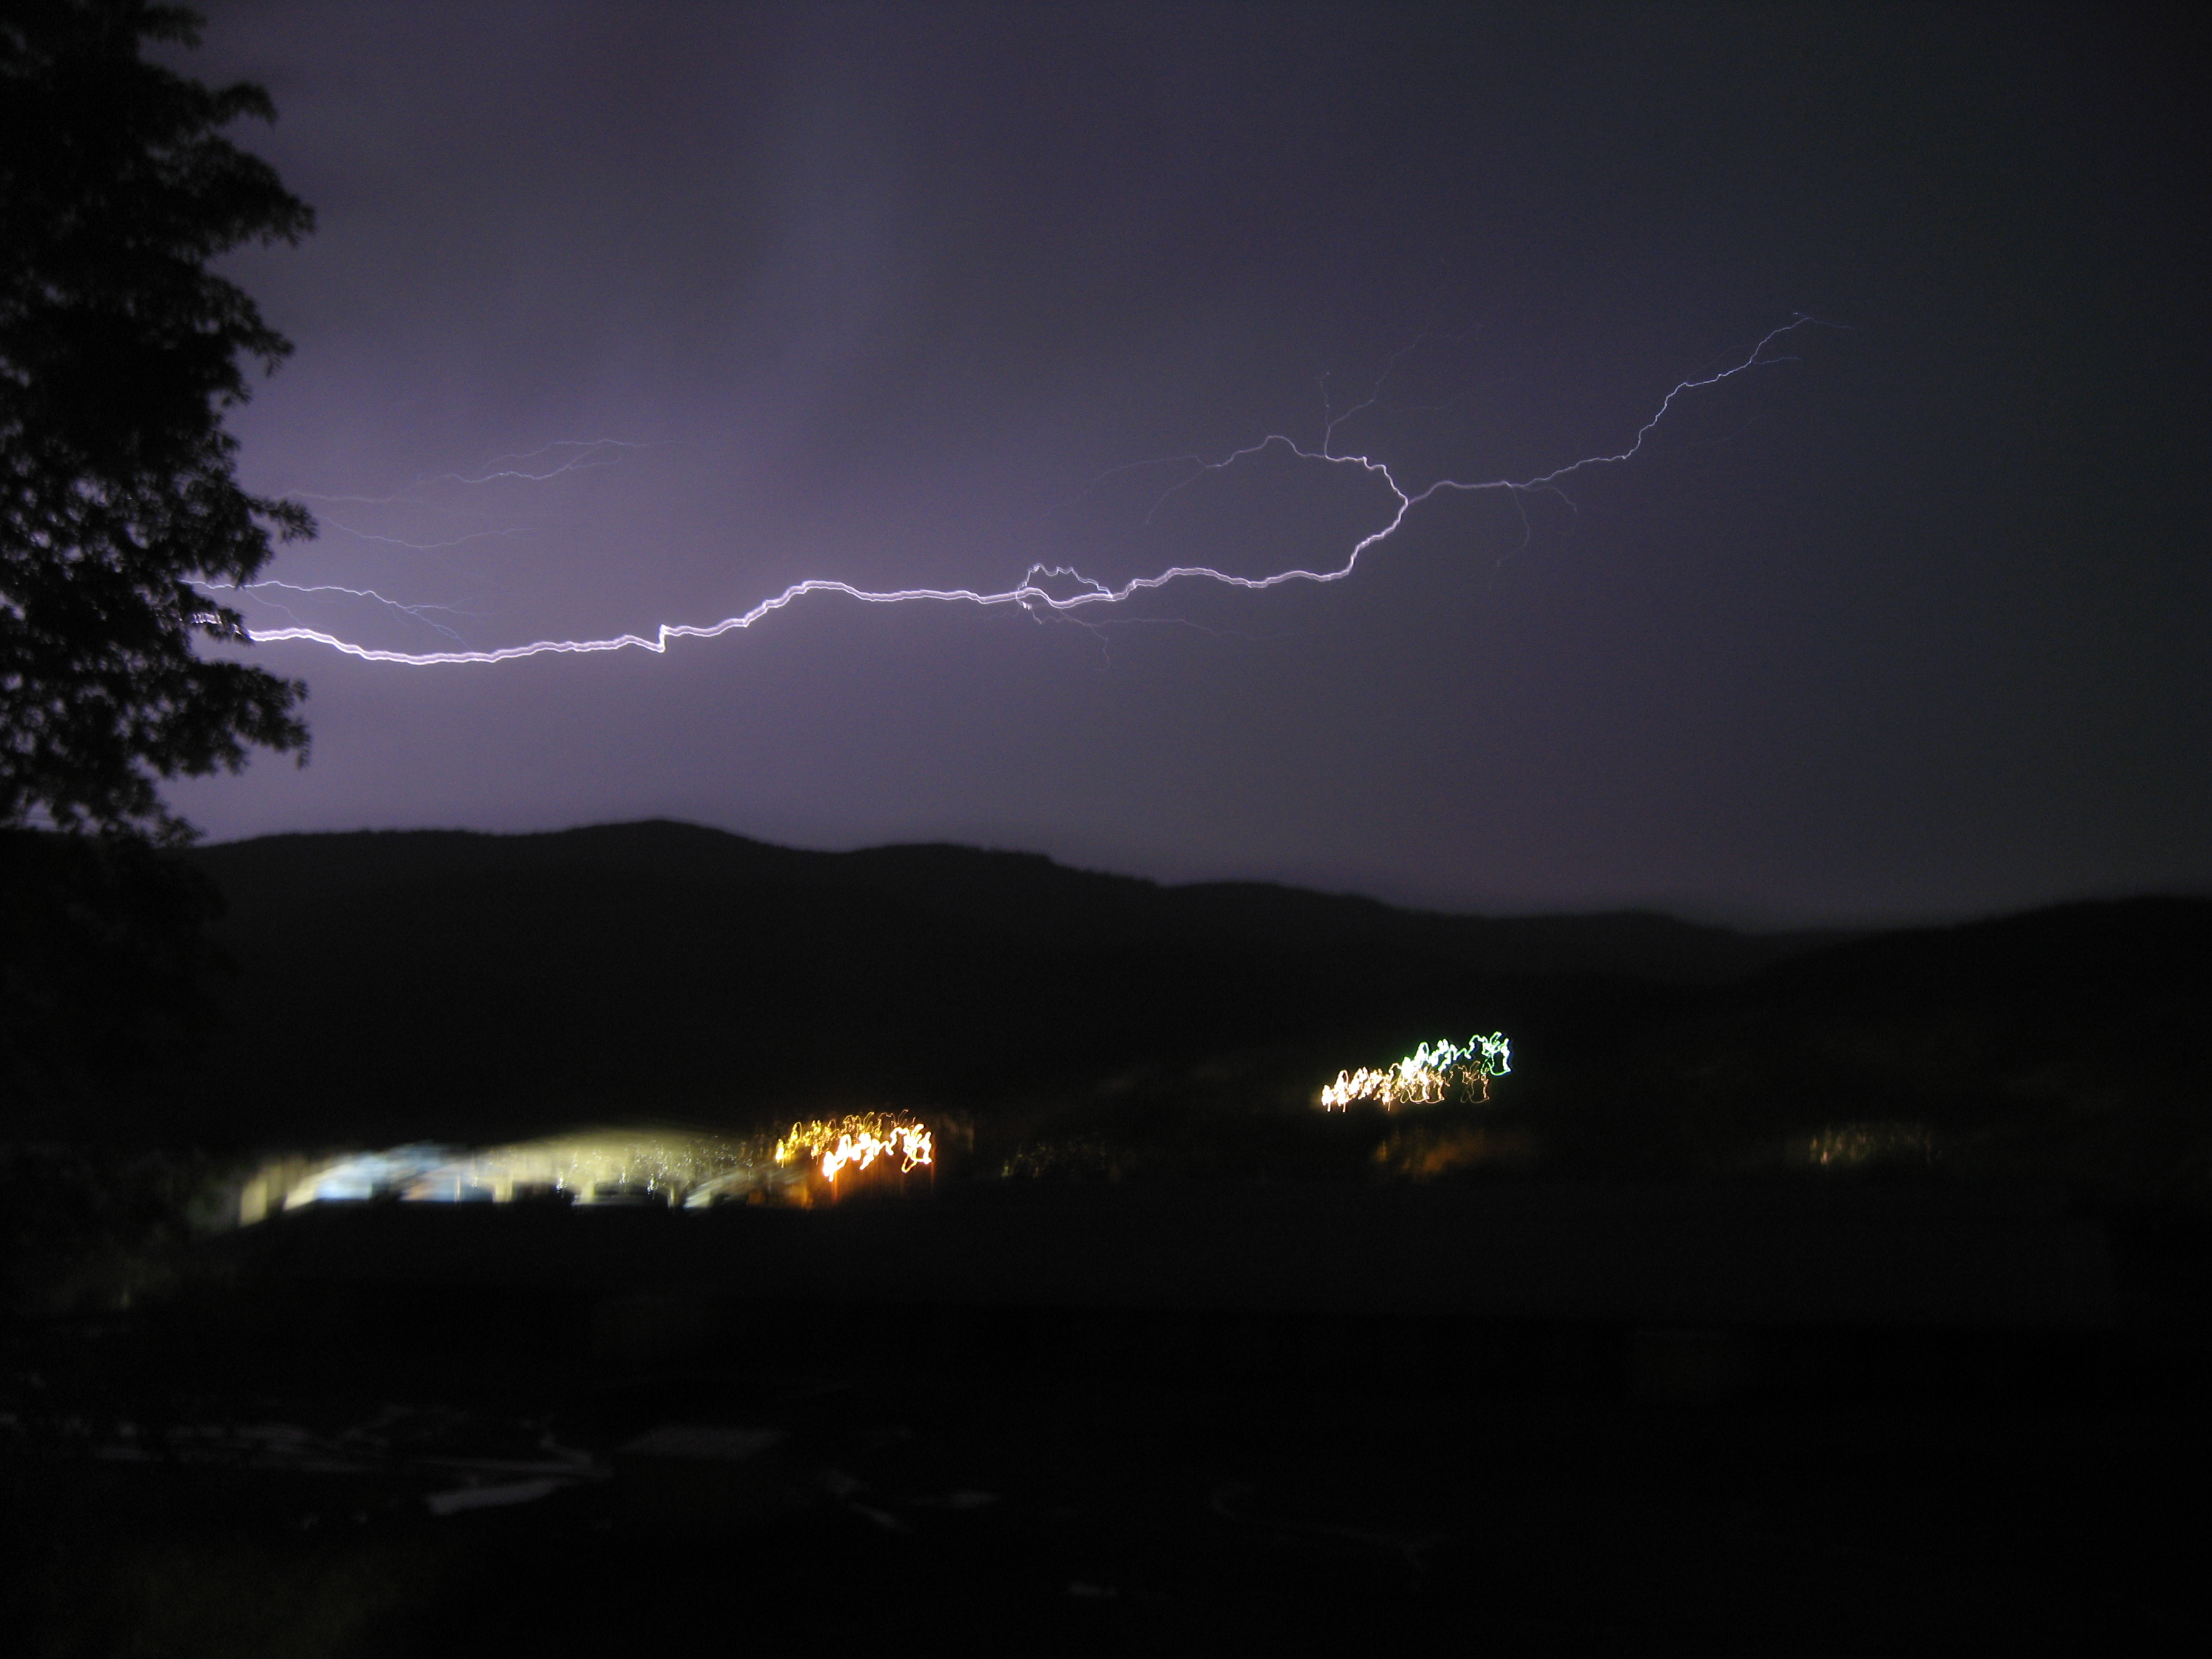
(120,352)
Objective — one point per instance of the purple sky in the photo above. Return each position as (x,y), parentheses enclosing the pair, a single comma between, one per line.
(1918,623)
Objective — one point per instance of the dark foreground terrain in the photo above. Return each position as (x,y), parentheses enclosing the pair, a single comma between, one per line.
(1794,1294)
(1579,1420)
(382,988)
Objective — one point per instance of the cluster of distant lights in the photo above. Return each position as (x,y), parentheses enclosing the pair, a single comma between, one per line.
(699,1170)
(1856,1145)
(1043,588)
(857,1142)
(1433,1073)
(613,1169)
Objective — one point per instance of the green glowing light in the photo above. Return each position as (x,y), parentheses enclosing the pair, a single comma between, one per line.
(1432,1073)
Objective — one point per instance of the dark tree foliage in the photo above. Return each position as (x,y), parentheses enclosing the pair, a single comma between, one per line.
(104,960)
(120,353)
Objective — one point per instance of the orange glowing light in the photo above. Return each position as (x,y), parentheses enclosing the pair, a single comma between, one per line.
(858,1140)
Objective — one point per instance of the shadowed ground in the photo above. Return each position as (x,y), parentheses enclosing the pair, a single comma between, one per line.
(281,1460)
(1792,1295)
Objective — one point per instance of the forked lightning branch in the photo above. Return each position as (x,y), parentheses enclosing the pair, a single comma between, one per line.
(1047,588)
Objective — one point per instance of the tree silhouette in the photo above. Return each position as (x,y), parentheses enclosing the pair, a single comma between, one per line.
(120,353)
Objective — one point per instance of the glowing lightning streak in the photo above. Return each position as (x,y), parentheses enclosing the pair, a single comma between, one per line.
(413,610)
(1029,591)
(418,547)
(590,453)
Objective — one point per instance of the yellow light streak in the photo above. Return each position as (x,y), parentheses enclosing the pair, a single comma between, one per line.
(858,1139)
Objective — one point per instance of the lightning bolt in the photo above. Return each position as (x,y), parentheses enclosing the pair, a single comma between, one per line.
(415,611)
(566,455)
(1077,593)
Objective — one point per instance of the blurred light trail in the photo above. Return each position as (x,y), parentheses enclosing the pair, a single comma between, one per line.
(1031,593)
(618,1166)
(856,1142)
(632,1167)
(1425,1077)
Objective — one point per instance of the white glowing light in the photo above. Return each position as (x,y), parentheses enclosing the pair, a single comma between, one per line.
(585,1168)
(1425,1077)
(681,1168)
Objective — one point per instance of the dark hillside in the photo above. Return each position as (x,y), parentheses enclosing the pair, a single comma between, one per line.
(1019,894)
(447,983)
(2067,1041)
(469,987)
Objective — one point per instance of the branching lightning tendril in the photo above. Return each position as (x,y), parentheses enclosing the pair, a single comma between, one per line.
(553,460)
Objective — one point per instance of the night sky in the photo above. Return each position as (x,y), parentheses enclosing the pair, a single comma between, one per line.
(1912,622)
